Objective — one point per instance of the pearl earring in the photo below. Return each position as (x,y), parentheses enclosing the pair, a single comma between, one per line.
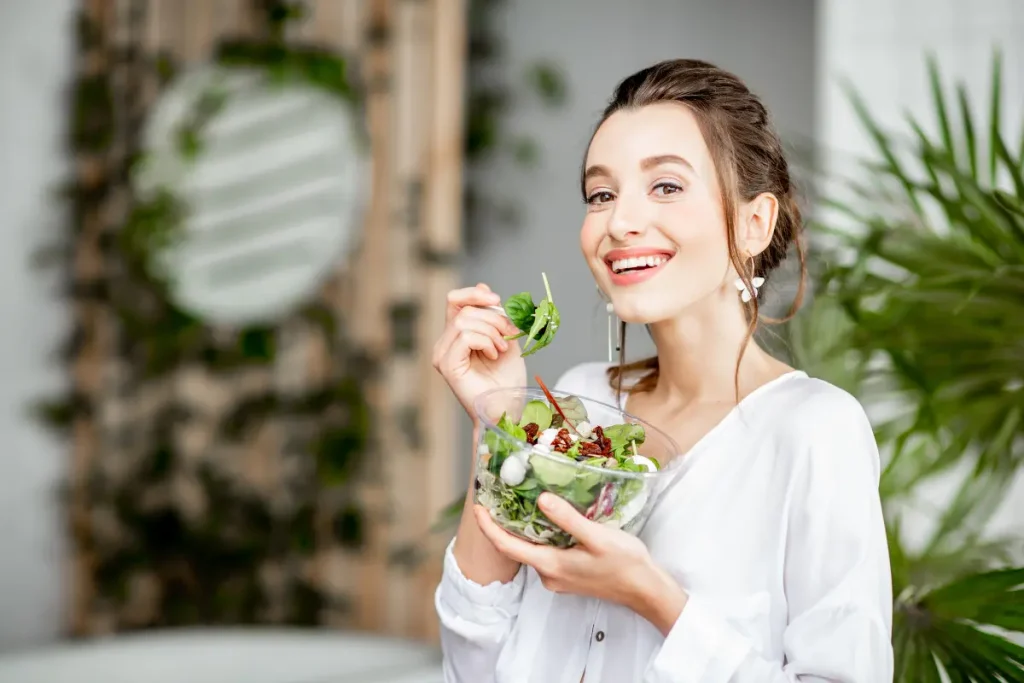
(741,287)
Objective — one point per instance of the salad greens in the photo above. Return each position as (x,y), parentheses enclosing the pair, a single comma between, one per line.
(538,322)
(596,469)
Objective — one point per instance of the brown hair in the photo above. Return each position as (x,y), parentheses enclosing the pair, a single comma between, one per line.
(748,159)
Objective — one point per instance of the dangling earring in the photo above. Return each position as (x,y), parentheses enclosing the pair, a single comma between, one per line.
(613,329)
(614,339)
(741,287)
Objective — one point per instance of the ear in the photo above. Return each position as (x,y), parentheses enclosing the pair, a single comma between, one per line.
(757,223)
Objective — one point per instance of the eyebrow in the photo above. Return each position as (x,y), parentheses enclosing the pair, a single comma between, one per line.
(646,165)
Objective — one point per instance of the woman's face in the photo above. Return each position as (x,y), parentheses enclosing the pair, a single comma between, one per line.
(654,234)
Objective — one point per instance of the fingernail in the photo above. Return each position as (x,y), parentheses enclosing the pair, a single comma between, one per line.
(548,501)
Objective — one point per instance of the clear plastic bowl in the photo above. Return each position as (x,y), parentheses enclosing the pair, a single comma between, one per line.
(509,490)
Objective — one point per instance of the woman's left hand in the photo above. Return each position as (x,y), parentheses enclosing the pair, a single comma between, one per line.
(605,563)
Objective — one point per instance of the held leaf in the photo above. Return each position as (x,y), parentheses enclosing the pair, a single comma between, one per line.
(545,323)
(520,310)
(555,319)
(541,319)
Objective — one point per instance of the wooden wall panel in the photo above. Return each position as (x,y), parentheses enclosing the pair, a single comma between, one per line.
(440,244)
(92,169)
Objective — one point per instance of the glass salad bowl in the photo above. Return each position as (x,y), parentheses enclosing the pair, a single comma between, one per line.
(607,463)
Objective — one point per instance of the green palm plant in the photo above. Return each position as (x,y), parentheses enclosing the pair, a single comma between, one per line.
(923,319)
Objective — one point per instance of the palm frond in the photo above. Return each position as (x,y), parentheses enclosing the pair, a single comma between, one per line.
(952,613)
(935,279)
(954,628)
(963,522)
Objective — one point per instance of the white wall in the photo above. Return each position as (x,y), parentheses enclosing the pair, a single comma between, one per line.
(879,46)
(34,69)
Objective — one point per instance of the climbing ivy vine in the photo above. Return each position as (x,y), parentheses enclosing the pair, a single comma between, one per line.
(173,533)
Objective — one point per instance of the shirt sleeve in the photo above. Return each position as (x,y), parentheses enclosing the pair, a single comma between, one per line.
(475,621)
(838,580)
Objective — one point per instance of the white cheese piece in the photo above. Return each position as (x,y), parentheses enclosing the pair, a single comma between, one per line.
(513,471)
(547,437)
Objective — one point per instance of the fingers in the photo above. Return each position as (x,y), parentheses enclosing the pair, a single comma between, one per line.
(472,318)
(541,558)
(481,295)
(463,334)
(568,518)
(469,341)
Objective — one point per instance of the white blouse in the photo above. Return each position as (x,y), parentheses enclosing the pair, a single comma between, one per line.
(774,528)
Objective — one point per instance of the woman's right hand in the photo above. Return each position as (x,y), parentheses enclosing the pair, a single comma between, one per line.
(472,354)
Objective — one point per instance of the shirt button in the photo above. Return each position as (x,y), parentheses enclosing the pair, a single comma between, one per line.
(600,636)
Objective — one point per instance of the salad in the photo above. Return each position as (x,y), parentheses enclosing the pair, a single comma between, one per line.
(553,447)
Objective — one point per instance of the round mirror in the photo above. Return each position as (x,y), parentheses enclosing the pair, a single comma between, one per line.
(270,176)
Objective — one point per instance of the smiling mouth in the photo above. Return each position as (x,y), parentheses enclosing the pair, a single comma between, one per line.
(638,263)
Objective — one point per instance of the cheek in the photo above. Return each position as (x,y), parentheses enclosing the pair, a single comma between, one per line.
(699,232)
(591,234)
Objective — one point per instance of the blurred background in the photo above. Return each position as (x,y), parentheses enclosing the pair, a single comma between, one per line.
(228,227)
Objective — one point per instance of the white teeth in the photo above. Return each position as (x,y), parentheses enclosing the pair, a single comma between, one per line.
(620,265)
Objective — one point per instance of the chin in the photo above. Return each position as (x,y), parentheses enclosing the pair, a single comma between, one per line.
(648,310)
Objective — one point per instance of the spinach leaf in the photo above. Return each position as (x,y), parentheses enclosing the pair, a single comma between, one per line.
(537,322)
(540,323)
(622,434)
(520,309)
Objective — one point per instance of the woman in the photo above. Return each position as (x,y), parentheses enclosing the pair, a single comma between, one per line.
(767,560)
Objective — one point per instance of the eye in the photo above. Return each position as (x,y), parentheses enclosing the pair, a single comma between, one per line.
(599,197)
(665,188)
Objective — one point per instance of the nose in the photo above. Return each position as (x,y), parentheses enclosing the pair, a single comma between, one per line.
(628,218)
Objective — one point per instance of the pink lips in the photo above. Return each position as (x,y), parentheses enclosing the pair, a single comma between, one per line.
(632,277)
